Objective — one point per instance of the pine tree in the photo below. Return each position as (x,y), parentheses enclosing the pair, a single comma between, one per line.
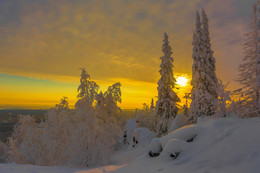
(152,105)
(249,69)
(166,108)
(204,81)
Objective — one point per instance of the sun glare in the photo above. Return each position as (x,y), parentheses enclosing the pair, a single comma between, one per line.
(182,81)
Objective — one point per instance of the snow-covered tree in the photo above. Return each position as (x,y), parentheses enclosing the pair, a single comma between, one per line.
(112,97)
(223,98)
(87,89)
(166,107)
(63,105)
(211,80)
(249,69)
(81,138)
(204,81)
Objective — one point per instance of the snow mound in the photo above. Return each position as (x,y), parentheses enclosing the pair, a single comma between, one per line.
(185,133)
(142,136)
(175,139)
(155,147)
(173,148)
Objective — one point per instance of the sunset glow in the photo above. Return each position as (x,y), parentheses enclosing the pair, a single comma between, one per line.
(45,43)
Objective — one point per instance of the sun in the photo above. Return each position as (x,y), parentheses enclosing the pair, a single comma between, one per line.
(182,81)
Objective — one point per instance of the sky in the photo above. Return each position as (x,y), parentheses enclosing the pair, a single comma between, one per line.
(44,43)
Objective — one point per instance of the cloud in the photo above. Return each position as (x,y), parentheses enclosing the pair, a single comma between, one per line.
(54,38)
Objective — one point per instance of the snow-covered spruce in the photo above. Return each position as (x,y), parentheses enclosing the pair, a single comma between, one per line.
(249,69)
(204,82)
(166,108)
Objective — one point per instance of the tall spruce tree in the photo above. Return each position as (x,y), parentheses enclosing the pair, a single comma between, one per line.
(166,108)
(204,81)
(211,79)
(249,69)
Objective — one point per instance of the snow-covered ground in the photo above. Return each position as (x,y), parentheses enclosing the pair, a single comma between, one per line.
(223,145)
(17,168)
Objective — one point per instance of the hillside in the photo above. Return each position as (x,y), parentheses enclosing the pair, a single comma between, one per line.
(221,145)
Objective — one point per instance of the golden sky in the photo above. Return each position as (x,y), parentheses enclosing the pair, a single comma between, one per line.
(44,43)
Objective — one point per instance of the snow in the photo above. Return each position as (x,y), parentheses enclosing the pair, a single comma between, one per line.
(155,146)
(142,136)
(185,133)
(179,121)
(174,147)
(221,145)
(128,131)
(16,168)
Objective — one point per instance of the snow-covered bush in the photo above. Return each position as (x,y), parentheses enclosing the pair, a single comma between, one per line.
(128,131)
